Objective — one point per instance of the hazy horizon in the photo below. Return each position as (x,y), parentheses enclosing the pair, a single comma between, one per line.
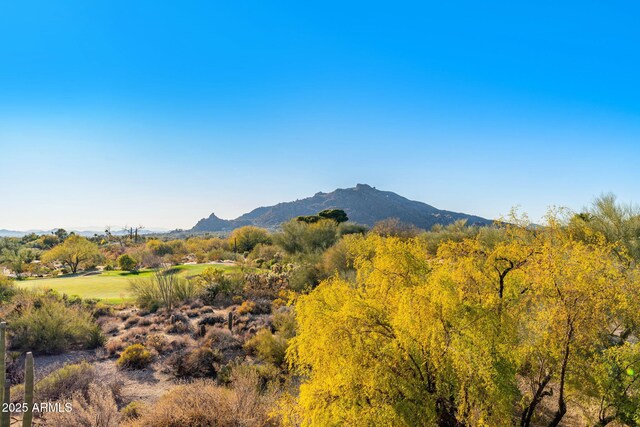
(468,107)
(119,227)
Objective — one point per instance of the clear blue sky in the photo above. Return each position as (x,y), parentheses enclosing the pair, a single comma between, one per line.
(158,113)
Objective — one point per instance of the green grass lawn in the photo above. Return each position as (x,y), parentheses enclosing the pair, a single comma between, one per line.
(110,286)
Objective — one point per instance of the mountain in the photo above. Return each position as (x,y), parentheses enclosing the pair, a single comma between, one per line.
(11,233)
(363,204)
(82,231)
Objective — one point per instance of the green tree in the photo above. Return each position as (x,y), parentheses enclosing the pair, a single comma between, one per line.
(127,263)
(338,215)
(617,222)
(75,252)
(244,239)
(17,259)
(61,234)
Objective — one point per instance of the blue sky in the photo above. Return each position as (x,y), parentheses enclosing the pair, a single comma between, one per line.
(158,113)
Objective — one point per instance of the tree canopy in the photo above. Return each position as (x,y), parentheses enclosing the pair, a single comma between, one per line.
(449,339)
(74,252)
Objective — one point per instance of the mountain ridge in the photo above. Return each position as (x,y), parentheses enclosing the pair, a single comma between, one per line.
(363,204)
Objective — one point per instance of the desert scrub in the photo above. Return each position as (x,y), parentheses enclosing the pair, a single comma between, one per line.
(178,328)
(114,346)
(164,288)
(95,408)
(64,382)
(200,362)
(110,327)
(101,310)
(268,347)
(158,342)
(131,321)
(222,339)
(246,307)
(144,321)
(202,403)
(47,325)
(215,282)
(284,323)
(136,356)
(7,288)
(95,337)
(211,320)
(132,410)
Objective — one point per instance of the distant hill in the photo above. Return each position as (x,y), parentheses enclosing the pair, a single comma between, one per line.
(362,203)
(11,233)
(86,232)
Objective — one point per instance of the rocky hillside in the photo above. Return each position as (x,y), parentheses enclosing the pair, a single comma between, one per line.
(363,203)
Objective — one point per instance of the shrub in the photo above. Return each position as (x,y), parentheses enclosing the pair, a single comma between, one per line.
(277,303)
(145,293)
(265,284)
(60,384)
(95,337)
(136,356)
(47,325)
(396,228)
(65,381)
(157,342)
(7,288)
(102,310)
(202,403)
(347,228)
(95,409)
(178,328)
(211,320)
(131,321)
(132,410)
(187,290)
(111,327)
(246,307)
(221,255)
(268,347)
(198,362)
(114,346)
(285,324)
(298,236)
(214,282)
(163,288)
(268,254)
(222,339)
(127,263)
(181,342)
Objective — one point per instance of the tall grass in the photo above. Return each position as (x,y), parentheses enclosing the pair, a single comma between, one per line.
(164,288)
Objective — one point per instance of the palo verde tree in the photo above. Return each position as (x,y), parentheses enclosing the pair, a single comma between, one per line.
(580,300)
(244,239)
(447,340)
(75,252)
(616,222)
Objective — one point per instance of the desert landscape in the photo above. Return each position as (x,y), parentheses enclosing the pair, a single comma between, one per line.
(488,323)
